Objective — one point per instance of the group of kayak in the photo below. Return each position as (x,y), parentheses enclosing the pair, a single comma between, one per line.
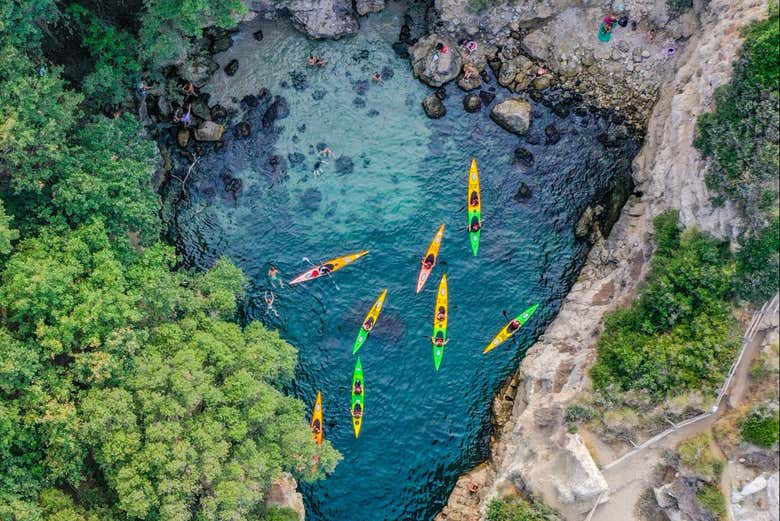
(440,315)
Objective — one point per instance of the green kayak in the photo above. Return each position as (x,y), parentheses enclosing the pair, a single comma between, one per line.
(474,205)
(439,338)
(369,322)
(358,398)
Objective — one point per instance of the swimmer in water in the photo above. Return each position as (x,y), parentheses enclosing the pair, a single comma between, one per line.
(269,301)
(273,276)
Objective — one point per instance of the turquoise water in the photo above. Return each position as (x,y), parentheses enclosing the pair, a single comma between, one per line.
(408,175)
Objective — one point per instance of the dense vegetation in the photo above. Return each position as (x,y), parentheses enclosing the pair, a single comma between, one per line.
(742,137)
(761,426)
(676,336)
(127,390)
(519,509)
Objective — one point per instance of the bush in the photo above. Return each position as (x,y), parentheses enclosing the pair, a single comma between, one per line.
(758,263)
(576,412)
(676,336)
(518,509)
(712,499)
(761,427)
(696,454)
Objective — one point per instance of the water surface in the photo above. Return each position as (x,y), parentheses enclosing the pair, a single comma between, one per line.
(394,178)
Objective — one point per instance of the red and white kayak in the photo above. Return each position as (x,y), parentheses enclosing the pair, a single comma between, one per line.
(328,267)
(433,254)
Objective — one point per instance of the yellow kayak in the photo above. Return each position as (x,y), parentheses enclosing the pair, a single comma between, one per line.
(373,316)
(328,267)
(440,322)
(510,329)
(316,420)
(474,206)
(430,258)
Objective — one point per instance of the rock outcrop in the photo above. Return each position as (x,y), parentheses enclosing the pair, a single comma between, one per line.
(669,173)
(433,107)
(435,60)
(323,18)
(513,115)
(284,494)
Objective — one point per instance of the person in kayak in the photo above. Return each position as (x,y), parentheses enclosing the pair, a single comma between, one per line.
(316,428)
(368,325)
(441,314)
(513,326)
(474,200)
(325,269)
(429,261)
(357,412)
(475,224)
(358,388)
(439,340)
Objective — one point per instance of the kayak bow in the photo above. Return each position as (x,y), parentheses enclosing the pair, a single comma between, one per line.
(328,267)
(317,416)
(440,326)
(357,376)
(373,314)
(433,249)
(474,211)
(504,334)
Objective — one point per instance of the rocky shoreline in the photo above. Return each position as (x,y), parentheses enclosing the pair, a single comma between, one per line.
(531,450)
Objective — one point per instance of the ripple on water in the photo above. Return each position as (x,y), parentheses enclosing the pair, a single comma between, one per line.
(392,178)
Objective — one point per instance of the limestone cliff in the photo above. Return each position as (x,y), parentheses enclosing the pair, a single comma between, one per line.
(531,449)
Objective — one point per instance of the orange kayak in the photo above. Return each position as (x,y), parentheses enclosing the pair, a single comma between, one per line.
(328,267)
(432,254)
(316,418)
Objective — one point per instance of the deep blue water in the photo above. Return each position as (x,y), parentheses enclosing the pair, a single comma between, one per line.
(421,428)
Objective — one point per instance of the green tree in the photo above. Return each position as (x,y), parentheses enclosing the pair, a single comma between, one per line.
(21,22)
(7,233)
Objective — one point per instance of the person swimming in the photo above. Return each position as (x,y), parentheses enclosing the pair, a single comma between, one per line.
(269,302)
(429,261)
(273,276)
(441,314)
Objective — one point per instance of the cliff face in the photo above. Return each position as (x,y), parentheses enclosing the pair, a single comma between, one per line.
(531,449)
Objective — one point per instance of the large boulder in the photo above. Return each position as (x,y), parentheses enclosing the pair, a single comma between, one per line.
(284,494)
(434,67)
(472,102)
(323,18)
(209,131)
(198,69)
(363,7)
(433,107)
(513,115)
(581,481)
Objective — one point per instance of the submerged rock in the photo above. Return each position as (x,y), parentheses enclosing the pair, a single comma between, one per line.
(435,67)
(359,102)
(299,80)
(317,95)
(387,72)
(311,199)
(513,115)
(258,35)
(242,130)
(360,87)
(231,68)
(523,157)
(363,7)
(279,109)
(344,165)
(472,102)
(296,158)
(487,97)
(523,192)
(433,107)
(552,134)
(277,169)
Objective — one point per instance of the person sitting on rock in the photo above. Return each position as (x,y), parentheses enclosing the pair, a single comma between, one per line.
(470,71)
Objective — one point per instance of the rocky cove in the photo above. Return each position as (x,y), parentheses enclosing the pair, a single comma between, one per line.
(542,76)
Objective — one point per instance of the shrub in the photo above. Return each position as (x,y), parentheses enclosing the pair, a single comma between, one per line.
(676,336)
(761,427)
(758,263)
(712,499)
(519,509)
(577,412)
(696,454)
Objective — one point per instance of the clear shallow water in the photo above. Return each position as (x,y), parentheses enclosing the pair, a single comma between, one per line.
(408,175)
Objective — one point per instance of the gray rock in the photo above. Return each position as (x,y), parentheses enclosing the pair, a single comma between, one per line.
(637,55)
(513,115)
(209,131)
(469,83)
(433,67)
(323,18)
(363,7)
(622,46)
(582,480)
(542,82)
(537,44)
(772,495)
(472,102)
(231,68)
(198,70)
(433,107)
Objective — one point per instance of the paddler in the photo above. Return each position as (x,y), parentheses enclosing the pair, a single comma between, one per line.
(475,224)
(325,269)
(441,314)
(513,326)
(429,261)
(316,429)
(358,388)
(439,341)
(474,200)
(358,412)
(368,325)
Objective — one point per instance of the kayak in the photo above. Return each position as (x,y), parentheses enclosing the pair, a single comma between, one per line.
(433,249)
(357,376)
(373,314)
(328,267)
(474,211)
(317,416)
(504,334)
(440,326)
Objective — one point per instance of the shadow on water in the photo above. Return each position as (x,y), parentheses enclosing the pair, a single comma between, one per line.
(271,196)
